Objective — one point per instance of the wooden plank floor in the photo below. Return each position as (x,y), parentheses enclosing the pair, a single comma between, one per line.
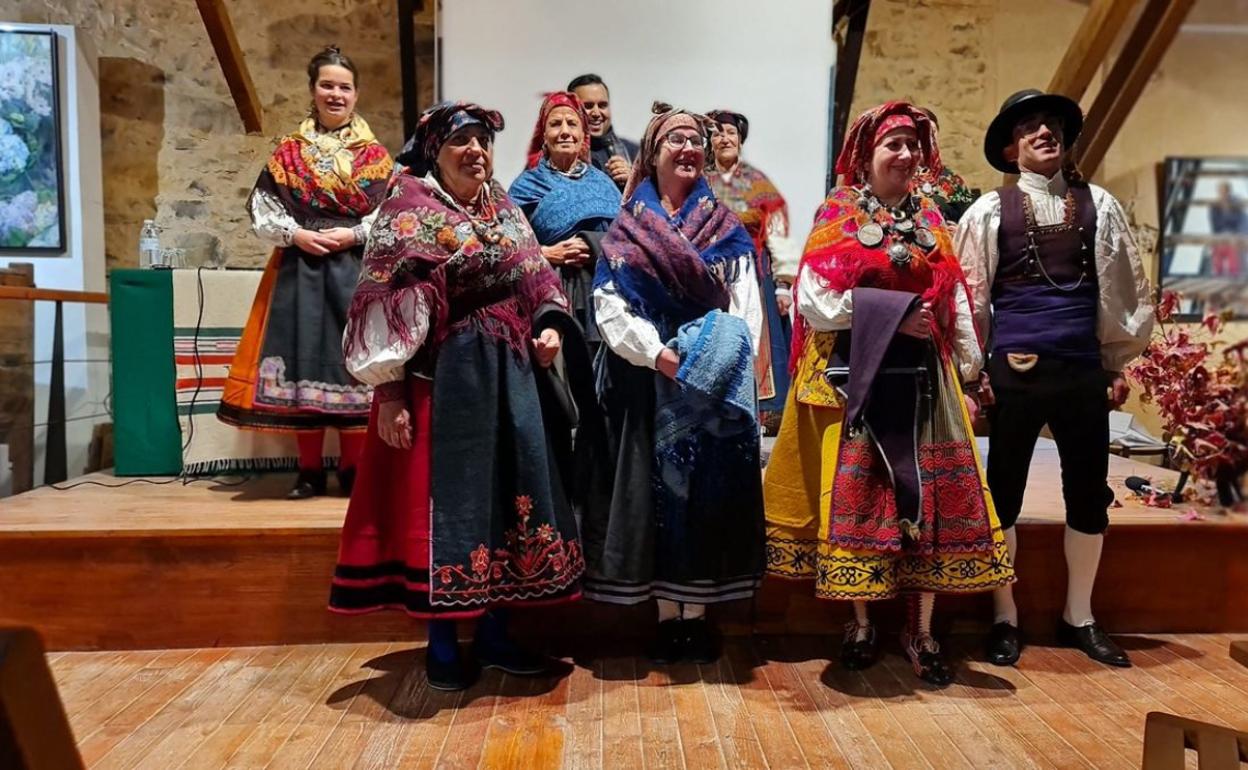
(770,702)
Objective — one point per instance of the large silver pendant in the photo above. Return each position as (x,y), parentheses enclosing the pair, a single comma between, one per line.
(871,235)
(899,254)
(925,238)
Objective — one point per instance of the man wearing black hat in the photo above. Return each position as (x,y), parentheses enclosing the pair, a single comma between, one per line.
(1063,304)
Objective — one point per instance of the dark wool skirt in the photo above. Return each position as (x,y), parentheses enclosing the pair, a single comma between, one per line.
(476,514)
(288,372)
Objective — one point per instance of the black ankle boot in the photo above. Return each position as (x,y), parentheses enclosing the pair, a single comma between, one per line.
(307,484)
(668,645)
(346,480)
(700,642)
(495,648)
(449,675)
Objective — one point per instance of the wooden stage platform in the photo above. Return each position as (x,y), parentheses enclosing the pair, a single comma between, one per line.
(114,565)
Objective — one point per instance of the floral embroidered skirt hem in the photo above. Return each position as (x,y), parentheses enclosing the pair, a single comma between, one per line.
(473,515)
(288,373)
(797,493)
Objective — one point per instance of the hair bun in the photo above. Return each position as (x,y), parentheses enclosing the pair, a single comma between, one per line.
(658,108)
(333,48)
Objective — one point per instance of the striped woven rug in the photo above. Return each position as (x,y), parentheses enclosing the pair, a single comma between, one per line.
(210,308)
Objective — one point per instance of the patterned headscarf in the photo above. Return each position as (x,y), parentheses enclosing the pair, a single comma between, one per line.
(666,118)
(854,162)
(436,125)
(537,145)
(735,118)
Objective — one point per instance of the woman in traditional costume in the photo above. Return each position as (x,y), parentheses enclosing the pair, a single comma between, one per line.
(677,305)
(752,197)
(311,202)
(944,186)
(875,487)
(462,506)
(569,203)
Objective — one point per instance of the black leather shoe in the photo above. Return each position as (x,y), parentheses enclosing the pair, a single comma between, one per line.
(1004,644)
(1094,643)
(346,480)
(449,675)
(929,663)
(701,646)
(858,654)
(512,659)
(307,484)
(668,645)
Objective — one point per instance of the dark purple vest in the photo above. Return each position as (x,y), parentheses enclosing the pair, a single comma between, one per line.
(1044,295)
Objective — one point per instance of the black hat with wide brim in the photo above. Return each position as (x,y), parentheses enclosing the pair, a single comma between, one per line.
(1018,106)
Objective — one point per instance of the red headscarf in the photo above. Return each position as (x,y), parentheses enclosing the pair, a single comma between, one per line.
(537,145)
(854,162)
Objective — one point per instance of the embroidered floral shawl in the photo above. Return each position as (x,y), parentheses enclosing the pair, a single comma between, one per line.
(488,272)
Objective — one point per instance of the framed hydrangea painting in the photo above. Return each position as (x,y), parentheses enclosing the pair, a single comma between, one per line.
(32,212)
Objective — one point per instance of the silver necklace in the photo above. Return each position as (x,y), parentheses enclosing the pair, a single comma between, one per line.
(899,230)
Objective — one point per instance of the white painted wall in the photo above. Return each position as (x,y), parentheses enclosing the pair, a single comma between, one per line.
(81,266)
(769,61)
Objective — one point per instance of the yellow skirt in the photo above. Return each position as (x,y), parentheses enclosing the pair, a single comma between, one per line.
(797,492)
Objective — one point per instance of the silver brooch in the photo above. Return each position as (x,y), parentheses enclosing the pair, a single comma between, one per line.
(925,238)
(903,225)
(899,255)
(871,235)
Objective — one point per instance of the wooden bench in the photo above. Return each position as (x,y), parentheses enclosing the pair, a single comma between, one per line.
(1239,652)
(1168,737)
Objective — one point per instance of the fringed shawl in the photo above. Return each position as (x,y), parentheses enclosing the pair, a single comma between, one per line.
(327,177)
(484,272)
(753,198)
(673,269)
(835,256)
(561,205)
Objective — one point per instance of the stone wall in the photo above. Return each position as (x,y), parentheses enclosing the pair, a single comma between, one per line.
(173,145)
(962,58)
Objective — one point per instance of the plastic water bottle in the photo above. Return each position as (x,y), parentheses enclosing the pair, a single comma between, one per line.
(149,245)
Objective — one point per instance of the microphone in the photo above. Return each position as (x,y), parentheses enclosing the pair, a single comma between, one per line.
(1141,486)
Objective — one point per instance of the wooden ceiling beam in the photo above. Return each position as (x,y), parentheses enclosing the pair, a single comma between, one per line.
(849,18)
(1156,29)
(220,29)
(1089,47)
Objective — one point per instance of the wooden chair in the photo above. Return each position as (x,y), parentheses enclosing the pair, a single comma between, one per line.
(34,731)
(1168,737)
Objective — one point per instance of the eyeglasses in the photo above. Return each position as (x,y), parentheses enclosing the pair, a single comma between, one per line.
(678,141)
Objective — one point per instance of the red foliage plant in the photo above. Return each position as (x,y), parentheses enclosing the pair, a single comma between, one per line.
(1202,396)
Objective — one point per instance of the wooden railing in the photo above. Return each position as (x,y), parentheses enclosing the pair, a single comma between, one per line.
(56,455)
(53,295)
